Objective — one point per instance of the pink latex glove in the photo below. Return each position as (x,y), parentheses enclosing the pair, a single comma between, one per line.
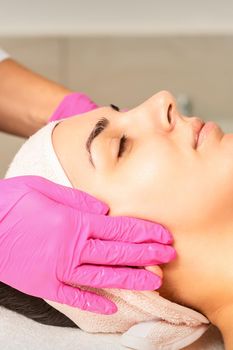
(73,104)
(52,236)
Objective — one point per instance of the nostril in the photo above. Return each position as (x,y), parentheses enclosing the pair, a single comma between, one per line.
(169,113)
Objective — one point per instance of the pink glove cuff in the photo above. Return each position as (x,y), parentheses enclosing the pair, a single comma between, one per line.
(73,104)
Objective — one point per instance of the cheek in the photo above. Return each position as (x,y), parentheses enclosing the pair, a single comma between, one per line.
(176,189)
(161,186)
(144,186)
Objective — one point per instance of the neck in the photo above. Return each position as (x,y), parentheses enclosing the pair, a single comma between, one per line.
(202,276)
(223,319)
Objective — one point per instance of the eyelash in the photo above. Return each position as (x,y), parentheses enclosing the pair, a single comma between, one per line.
(123,139)
(115,107)
(122,147)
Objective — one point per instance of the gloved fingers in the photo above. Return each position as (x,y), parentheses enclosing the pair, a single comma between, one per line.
(74,198)
(116,277)
(128,229)
(126,254)
(84,300)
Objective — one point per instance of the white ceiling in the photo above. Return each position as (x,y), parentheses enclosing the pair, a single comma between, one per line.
(113,17)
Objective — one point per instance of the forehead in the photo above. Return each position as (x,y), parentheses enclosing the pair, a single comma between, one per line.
(80,126)
(90,118)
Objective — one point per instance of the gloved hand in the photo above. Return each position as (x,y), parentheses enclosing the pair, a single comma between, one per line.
(53,236)
(73,104)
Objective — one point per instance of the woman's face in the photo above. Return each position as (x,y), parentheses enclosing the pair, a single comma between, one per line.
(159,174)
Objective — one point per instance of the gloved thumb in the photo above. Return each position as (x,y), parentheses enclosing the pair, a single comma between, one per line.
(71,197)
(13,189)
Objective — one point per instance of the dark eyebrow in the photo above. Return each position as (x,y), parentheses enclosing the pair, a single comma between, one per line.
(99,127)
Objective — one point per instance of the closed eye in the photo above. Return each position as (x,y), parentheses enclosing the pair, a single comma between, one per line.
(123,140)
(122,146)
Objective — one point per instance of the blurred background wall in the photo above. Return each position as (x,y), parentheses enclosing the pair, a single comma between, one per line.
(125,51)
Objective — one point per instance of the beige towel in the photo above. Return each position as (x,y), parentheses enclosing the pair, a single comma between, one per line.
(146,320)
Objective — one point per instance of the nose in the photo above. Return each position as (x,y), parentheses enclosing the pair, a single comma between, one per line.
(162,109)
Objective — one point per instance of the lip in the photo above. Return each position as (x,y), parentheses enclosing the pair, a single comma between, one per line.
(197,126)
(203,132)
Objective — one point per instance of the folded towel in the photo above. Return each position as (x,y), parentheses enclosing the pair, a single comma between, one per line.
(147,320)
(21,333)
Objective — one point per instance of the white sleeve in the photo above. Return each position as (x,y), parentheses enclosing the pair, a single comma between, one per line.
(3,55)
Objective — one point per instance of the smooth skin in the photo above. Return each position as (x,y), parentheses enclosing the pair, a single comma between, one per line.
(162,177)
